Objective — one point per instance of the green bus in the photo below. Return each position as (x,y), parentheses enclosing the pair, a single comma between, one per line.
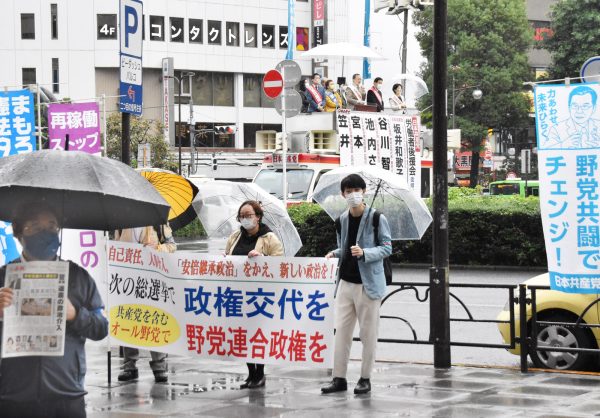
(516,186)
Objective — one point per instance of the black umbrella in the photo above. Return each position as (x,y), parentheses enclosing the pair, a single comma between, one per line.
(86,191)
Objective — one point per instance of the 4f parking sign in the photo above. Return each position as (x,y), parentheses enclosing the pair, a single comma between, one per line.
(130,30)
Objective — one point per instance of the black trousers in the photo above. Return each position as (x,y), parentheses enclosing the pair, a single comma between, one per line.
(61,408)
(256,371)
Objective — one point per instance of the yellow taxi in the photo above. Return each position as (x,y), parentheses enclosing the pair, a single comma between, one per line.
(555,306)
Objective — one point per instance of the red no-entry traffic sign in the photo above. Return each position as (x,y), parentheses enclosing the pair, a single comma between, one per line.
(272,84)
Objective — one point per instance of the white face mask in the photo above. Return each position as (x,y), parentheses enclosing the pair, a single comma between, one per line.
(379,86)
(354,199)
(247,223)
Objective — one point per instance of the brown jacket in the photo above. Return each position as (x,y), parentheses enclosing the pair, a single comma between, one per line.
(148,236)
(267,244)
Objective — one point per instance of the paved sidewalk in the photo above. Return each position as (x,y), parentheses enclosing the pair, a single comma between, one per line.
(211,389)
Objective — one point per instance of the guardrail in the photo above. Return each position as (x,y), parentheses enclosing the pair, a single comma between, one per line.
(527,296)
(529,328)
(415,286)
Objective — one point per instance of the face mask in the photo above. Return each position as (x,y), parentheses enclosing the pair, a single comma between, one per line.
(379,86)
(41,246)
(354,199)
(248,224)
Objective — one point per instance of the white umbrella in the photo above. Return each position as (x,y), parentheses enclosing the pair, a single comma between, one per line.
(414,86)
(342,49)
(388,193)
(217,204)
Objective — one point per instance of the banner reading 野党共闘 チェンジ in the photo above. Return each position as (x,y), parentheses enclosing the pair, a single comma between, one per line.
(273,310)
(568,139)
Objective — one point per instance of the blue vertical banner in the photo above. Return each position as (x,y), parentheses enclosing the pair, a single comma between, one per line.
(17,136)
(291,29)
(367,40)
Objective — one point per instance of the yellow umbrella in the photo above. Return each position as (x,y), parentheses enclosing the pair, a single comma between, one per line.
(177,191)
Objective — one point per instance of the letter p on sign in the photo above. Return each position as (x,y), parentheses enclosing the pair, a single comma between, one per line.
(130,27)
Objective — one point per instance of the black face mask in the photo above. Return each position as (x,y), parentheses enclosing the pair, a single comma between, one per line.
(41,246)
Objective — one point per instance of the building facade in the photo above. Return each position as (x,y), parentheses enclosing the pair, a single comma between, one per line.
(71,48)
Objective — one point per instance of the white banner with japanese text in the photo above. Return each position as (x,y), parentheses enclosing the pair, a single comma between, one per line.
(272,310)
(568,135)
(387,141)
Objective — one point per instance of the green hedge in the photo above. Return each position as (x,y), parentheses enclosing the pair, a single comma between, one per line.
(483,231)
(191,230)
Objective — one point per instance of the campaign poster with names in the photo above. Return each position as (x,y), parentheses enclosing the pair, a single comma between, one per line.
(34,324)
(386,141)
(271,310)
(568,139)
(78,120)
(17,136)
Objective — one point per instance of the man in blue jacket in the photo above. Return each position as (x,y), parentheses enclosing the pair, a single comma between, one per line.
(361,284)
(50,387)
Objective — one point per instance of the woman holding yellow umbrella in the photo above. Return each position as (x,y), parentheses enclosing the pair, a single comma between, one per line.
(177,191)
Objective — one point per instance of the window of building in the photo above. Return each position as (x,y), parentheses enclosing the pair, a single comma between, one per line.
(283,37)
(195,31)
(268,36)
(302,39)
(177,29)
(27,26)
(55,76)
(250,35)
(214,32)
(29,77)
(209,89)
(254,95)
(54,21)
(250,130)
(202,93)
(106,26)
(223,89)
(232,34)
(252,88)
(157,28)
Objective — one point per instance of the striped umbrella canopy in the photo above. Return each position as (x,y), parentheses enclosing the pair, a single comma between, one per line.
(177,191)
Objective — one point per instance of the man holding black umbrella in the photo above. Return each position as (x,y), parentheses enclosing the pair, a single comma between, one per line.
(38,386)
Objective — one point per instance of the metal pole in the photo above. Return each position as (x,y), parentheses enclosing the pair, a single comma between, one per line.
(192,164)
(527,159)
(284,141)
(524,343)
(104,124)
(439,306)
(404,50)
(453,102)
(125,134)
(39,116)
(180,136)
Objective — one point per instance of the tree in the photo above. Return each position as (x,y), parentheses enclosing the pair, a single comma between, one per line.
(141,131)
(487,48)
(575,36)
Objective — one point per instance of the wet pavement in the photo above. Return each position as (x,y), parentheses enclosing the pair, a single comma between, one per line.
(211,389)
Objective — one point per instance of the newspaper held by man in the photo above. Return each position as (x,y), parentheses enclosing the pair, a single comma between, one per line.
(34,325)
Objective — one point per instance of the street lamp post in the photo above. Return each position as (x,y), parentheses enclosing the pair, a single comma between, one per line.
(477,95)
(179,81)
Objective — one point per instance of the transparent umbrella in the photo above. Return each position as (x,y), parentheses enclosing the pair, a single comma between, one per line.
(343,50)
(388,193)
(217,205)
(414,87)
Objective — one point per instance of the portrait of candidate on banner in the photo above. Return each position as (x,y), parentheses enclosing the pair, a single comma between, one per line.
(574,121)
